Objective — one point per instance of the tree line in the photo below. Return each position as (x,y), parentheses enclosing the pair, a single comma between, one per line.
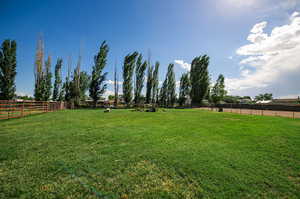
(138,75)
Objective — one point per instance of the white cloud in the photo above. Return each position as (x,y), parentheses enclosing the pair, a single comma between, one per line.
(177,84)
(274,59)
(242,3)
(259,28)
(182,64)
(19,93)
(111,82)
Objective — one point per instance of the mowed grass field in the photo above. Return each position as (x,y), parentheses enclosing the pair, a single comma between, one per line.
(172,154)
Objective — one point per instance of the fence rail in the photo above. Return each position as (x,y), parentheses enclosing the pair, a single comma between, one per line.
(281,113)
(14,109)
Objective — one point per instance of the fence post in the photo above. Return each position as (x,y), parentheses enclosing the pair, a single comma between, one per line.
(293,115)
(22,110)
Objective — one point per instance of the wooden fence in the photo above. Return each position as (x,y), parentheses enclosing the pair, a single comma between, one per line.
(14,109)
(290,114)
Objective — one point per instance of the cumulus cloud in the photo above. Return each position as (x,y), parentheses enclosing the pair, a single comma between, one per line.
(111,82)
(182,64)
(19,93)
(272,61)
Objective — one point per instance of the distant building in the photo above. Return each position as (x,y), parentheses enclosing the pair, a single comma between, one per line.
(264,102)
(286,101)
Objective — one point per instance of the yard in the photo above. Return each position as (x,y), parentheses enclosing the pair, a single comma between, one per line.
(172,154)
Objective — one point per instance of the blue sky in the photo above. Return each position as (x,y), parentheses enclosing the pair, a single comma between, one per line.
(171,29)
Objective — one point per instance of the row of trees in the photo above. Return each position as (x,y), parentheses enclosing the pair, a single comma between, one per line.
(136,72)
(194,85)
(76,83)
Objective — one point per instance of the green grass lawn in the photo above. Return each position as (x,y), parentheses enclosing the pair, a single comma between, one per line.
(173,154)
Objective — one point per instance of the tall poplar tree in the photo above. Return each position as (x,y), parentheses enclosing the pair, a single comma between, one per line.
(8,64)
(68,83)
(84,84)
(58,82)
(155,83)
(167,91)
(184,89)
(139,78)
(38,70)
(171,86)
(75,85)
(149,84)
(116,86)
(46,80)
(98,85)
(199,78)
(163,95)
(218,92)
(128,69)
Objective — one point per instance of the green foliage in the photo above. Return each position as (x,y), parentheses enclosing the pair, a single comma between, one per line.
(128,69)
(97,85)
(58,82)
(25,97)
(139,78)
(84,83)
(218,91)
(167,91)
(8,64)
(149,84)
(232,99)
(163,95)
(171,93)
(237,99)
(199,78)
(266,96)
(67,86)
(116,87)
(111,97)
(46,84)
(184,89)
(39,72)
(61,96)
(42,74)
(75,84)
(155,83)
